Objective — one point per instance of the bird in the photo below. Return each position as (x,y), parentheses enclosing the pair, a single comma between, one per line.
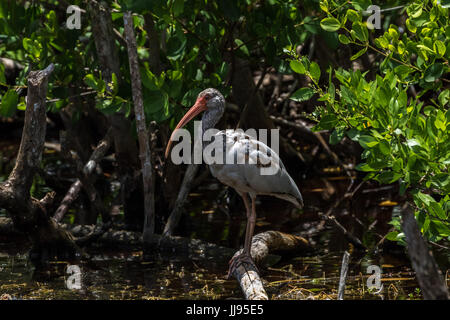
(244,176)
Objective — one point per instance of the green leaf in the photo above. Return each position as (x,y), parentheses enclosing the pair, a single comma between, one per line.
(367,141)
(324,5)
(392,236)
(9,103)
(343,39)
(190,96)
(302,94)
(32,46)
(442,229)
(439,48)
(434,72)
(337,135)
(353,134)
(156,105)
(314,70)
(402,71)
(176,46)
(364,167)
(359,31)
(385,147)
(438,211)
(297,66)
(411,25)
(242,47)
(330,24)
(424,198)
(444,97)
(149,80)
(398,165)
(22,106)
(178,7)
(415,10)
(327,122)
(108,106)
(388,177)
(438,123)
(359,53)
(352,15)
(91,81)
(2,73)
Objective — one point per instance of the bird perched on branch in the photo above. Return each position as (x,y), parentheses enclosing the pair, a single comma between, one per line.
(244,174)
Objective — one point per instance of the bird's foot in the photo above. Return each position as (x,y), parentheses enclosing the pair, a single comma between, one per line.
(238,260)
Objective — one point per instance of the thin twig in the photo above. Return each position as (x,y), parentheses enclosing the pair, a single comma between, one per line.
(342,279)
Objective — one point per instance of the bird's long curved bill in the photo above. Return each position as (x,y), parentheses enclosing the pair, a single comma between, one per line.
(197,108)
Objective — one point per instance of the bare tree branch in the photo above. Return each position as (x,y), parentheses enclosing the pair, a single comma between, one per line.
(144,144)
(87,170)
(177,210)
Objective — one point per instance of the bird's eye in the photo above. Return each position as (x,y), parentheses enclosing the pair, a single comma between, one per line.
(207,97)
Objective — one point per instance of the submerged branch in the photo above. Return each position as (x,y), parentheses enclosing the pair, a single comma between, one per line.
(262,243)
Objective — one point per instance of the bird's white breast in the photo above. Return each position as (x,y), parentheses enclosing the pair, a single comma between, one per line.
(245,160)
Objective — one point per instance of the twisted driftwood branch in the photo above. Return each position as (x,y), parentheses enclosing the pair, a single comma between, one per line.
(75,188)
(29,215)
(262,243)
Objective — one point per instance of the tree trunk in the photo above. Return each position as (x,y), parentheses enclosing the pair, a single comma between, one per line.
(428,274)
(29,214)
(141,127)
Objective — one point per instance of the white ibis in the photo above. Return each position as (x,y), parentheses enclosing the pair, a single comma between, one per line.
(245,178)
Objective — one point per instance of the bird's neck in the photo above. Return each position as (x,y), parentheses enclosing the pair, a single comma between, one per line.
(210,119)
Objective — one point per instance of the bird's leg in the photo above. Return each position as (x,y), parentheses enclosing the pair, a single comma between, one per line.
(245,255)
(251,220)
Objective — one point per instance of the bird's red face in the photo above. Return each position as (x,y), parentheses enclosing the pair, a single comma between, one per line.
(199,106)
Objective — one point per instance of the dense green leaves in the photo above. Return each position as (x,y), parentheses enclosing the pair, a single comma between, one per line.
(405,137)
(9,103)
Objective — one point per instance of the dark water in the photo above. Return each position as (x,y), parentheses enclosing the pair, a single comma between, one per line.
(121,274)
(216,216)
